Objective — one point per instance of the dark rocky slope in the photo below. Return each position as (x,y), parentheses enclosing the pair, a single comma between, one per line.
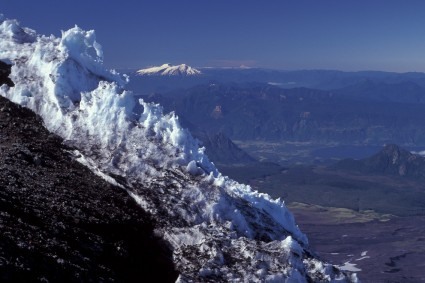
(59,221)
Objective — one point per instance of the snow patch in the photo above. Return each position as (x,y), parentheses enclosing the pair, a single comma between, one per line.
(170,70)
(421,153)
(92,166)
(193,169)
(362,258)
(348,266)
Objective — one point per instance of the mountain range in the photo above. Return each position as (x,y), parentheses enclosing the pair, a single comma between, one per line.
(272,114)
(330,80)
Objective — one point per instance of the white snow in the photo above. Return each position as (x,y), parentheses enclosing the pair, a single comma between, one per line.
(363,256)
(63,80)
(192,168)
(421,153)
(170,70)
(92,166)
(348,266)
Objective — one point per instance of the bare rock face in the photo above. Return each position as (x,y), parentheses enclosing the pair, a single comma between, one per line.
(59,221)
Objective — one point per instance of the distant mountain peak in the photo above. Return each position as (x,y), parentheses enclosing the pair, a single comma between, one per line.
(170,70)
(391,160)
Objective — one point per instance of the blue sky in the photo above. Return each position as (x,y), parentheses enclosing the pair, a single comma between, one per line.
(384,35)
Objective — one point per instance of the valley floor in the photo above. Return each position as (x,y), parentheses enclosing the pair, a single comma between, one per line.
(373,225)
(380,248)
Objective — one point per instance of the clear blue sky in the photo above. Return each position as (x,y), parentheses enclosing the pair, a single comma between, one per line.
(299,34)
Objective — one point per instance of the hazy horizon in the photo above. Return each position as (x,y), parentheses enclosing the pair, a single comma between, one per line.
(288,35)
(282,69)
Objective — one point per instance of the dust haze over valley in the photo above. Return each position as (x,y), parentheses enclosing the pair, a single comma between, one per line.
(225,141)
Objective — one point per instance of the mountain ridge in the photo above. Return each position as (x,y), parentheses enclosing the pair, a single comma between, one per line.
(391,160)
(297,114)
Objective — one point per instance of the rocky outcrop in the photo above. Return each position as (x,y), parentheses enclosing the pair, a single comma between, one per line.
(391,160)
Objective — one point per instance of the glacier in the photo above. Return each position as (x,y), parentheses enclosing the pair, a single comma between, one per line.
(218,229)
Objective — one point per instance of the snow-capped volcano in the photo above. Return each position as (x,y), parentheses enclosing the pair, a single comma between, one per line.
(170,70)
(219,230)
